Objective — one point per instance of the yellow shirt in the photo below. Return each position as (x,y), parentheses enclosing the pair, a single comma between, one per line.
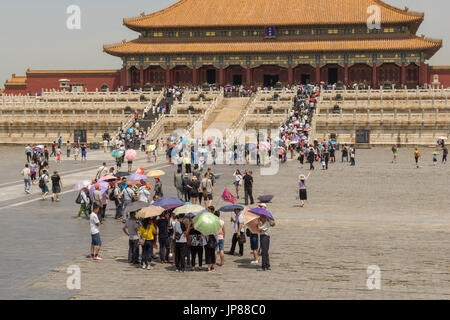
(147,233)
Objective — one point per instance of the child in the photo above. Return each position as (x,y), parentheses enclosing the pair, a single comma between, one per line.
(435,154)
(58,156)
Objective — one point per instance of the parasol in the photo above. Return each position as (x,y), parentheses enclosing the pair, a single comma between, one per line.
(207,223)
(103,187)
(135,206)
(82,184)
(155,173)
(251,221)
(122,174)
(189,208)
(117,153)
(130,154)
(265,198)
(150,211)
(108,178)
(137,177)
(231,208)
(168,203)
(151,148)
(262,212)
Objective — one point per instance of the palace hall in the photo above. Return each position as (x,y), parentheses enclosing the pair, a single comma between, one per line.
(262,42)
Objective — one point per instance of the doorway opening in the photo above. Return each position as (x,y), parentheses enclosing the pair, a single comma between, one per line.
(237,79)
(306,79)
(211,76)
(332,75)
(270,80)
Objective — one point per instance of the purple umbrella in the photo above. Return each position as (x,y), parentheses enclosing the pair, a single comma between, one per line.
(295,139)
(137,177)
(169,203)
(263,212)
(103,187)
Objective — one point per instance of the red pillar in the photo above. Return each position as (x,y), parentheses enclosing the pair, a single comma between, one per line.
(318,74)
(168,80)
(290,75)
(374,76)
(346,81)
(194,76)
(423,74)
(221,82)
(248,77)
(403,75)
(141,77)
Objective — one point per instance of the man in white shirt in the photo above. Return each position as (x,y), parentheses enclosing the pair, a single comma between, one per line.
(102,171)
(144,193)
(131,230)
(180,231)
(26,173)
(238,232)
(96,241)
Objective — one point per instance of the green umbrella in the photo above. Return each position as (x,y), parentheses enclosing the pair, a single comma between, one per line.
(207,223)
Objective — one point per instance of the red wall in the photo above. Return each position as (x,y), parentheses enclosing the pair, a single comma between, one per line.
(17,91)
(444,76)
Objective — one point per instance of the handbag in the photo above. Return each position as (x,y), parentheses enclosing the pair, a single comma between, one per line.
(142,240)
(242,239)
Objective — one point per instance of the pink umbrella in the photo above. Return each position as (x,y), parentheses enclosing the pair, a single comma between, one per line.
(251,220)
(107,178)
(130,154)
(82,184)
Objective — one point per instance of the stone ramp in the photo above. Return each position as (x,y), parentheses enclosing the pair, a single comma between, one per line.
(225,114)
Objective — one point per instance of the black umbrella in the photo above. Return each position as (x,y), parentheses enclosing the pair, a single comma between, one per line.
(135,206)
(122,174)
(265,198)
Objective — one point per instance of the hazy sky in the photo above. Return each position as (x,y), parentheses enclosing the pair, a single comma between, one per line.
(34,33)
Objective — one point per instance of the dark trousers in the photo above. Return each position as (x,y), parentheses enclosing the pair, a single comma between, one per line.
(210,256)
(28,156)
(133,251)
(188,168)
(147,252)
(248,192)
(196,251)
(164,255)
(311,165)
(186,194)
(265,243)
(118,209)
(233,245)
(180,255)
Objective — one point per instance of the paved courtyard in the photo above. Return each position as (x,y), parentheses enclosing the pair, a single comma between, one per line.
(393,216)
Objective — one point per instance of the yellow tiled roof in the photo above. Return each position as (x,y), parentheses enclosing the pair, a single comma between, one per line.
(29,72)
(16,81)
(141,46)
(207,13)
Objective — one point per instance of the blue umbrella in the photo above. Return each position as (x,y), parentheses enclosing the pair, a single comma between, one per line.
(250,146)
(265,198)
(130,131)
(231,208)
(168,203)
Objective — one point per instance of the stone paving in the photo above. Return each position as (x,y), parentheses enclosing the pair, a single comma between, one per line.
(377,213)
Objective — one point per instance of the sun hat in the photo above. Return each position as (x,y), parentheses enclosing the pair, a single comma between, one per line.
(263,205)
(157,178)
(302,177)
(130,184)
(97,186)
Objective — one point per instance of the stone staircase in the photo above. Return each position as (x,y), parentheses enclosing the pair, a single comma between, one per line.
(225,114)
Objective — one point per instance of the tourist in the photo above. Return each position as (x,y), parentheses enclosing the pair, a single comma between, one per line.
(263,228)
(43,184)
(196,247)
(68,146)
(53,154)
(97,199)
(181,232)
(84,202)
(435,160)
(444,154)
(28,152)
(128,196)
(248,187)
(417,155)
(238,233)
(344,153)
(193,187)
(33,168)
(59,142)
(237,182)
(96,241)
(186,190)
(221,239)
(58,155)
(130,165)
(101,172)
(352,151)
(178,184)
(147,233)
(163,237)
(105,145)
(75,153)
(83,152)
(394,152)
(144,193)
(56,186)
(131,230)
(158,188)
(117,200)
(210,251)
(301,187)
(311,158)
(26,173)
(207,190)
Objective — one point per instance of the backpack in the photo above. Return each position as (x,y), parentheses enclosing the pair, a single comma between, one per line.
(42,182)
(78,199)
(112,197)
(212,242)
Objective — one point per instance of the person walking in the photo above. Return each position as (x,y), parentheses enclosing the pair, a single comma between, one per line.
(311,158)
(237,181)
(394,153)
(68,147)
(444,154)
(84,203)
(301,187)
(417,155)
(131,229)
(147,233)
(96,241)
(238,233)
(43,184)
(56,185)
(28,152)
(248,187)
(263,228)
(26,173)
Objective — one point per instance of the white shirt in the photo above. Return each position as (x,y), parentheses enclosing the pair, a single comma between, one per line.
(93,220)
(144,194)
(177,228)
(26,173)
(239,220)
